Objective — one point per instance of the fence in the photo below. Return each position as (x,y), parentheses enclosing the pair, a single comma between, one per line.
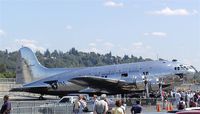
(44,109)
(52,107)
(7,80)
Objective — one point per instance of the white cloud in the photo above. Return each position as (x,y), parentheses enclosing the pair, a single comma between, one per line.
(110,3)
(99,40)
(162,34)
(156,34)
(136,48)
(99,46)
(194,12)
(140,45)
(68,27)
(108,45)
(137,45)
(92,44)
(2,33)
(92,49)
(29,43)
(171,12)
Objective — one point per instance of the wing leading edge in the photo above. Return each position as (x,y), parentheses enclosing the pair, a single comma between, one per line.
(100,84)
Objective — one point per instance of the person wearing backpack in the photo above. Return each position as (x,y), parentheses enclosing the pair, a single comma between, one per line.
(101,106)
(80,105)
(181,104)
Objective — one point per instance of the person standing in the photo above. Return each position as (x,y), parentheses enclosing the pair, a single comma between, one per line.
(118,109)
(94,100)
(136,108)
(83,104)
(76,106)
(101,106)
(181,105)
(177,97)
(79,105)
(6,107)
(123,106)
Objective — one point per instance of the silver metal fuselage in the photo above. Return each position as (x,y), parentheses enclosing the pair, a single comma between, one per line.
(132,74)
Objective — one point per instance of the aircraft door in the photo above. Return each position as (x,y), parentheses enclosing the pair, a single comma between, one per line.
(131,79)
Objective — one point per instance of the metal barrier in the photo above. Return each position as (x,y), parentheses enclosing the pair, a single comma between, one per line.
(46,109)
(7,80)
(52,107)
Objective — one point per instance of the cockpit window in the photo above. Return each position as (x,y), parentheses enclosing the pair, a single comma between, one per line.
(176,68)
(145,73)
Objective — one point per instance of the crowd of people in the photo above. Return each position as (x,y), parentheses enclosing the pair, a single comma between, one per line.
(183,99)
(100,106)
(105,106)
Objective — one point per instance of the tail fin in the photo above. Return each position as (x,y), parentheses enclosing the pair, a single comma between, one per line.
(28,67)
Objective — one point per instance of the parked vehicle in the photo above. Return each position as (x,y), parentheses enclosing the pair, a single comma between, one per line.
(62,106)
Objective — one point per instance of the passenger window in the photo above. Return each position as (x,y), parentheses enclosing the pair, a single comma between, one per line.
(124,74)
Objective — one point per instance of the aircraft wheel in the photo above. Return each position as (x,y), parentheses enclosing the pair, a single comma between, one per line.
(60,96)
(54,86)
(41,97)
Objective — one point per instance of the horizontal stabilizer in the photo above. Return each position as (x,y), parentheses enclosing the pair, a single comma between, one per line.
(27,89)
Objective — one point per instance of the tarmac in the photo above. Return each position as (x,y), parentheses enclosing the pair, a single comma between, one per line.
(31,105)
(26,103)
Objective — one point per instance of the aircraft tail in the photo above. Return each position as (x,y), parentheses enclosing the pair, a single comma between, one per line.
(28,67)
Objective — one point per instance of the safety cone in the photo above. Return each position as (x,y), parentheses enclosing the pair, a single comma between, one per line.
(158,107)
(167,106)
(171,107)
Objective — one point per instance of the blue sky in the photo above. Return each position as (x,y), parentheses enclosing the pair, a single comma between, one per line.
(168,29)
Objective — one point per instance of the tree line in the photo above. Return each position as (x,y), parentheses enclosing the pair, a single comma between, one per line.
(69,59)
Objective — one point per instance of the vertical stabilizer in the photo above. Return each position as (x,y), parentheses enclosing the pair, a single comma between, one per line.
(28,67)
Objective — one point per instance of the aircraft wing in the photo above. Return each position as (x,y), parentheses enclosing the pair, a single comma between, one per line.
(99,83)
